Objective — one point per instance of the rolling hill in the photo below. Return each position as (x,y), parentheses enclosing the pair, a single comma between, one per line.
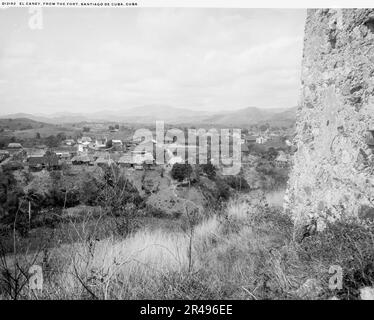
(21,123)
(150,113)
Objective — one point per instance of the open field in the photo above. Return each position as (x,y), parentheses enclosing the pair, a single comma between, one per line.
(245,252)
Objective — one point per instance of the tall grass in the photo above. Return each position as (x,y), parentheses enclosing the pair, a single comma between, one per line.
(110,267)
(245,252)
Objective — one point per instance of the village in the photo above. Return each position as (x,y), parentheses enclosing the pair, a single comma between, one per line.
(100,150)
(67,169)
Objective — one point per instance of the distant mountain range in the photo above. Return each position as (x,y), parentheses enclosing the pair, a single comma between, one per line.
(149,114)
(22,123)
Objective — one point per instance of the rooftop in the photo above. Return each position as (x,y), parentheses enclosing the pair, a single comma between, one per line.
(14,145)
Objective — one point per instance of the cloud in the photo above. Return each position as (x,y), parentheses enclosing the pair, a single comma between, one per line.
(196,58)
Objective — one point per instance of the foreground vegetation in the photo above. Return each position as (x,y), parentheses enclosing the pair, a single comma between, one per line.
(100,238)
(244,251)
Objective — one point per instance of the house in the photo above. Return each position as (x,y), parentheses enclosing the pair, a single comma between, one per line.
(81,159)
(63,155)
(49,160)
(134,159)
(85,140)
(69,142)
(36,162)
(100,144)
(137,159)
(261,140)
(15,146)
(126,160)
(117,144)
(81,148)
(250,139)
(41,146)
(148,160)
(83,144)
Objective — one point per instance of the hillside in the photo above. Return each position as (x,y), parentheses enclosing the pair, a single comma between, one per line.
(253,115)
(21,124)
(151,113)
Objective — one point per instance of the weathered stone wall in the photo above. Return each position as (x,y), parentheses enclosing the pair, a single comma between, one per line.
(334,164)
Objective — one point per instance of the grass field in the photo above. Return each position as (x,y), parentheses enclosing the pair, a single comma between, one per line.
(243,252)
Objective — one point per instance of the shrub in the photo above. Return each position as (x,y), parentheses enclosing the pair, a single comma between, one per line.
(223,190)
(57,197)
(237,182)
(154,211)
(209,170)
(273,177)
(90,191)
(10,195)
(348,245)
(181,171)
(12,166)
(119,197)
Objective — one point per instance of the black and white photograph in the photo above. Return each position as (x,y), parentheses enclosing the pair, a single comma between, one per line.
(182,151)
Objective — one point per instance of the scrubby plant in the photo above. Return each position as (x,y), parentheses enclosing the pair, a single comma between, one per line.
(120,198)
(181,171)
(223,190)
(209,170)
(347,244)
(237,182)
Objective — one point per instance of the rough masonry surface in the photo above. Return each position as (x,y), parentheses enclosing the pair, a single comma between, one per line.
(332,177)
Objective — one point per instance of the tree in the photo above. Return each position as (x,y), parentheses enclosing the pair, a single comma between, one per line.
(10,195)
(181,171)
(116,126)
(237,182)
(52,141)
(271,154)
(51,159)
(86,129)
(209,170)
(37,136)
(264,127)
(61,136)
(223,190)
(120,198)
(90,190)
(109,143)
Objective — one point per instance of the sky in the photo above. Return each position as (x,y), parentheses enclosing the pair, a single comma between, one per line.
(93,59)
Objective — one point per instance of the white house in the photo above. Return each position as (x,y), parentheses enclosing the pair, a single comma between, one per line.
(261,140)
